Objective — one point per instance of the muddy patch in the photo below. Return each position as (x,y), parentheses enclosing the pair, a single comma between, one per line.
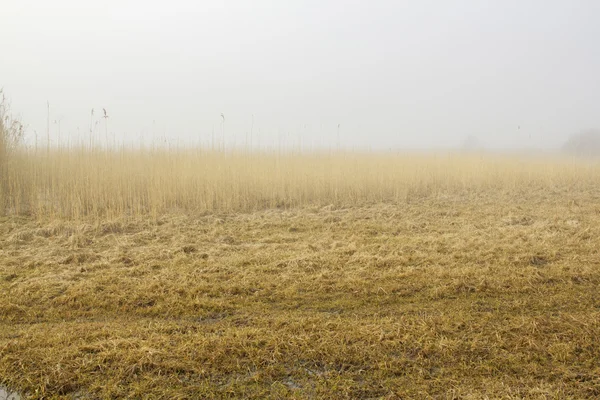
(6,394)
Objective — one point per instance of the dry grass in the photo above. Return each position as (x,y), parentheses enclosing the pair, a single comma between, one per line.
(176,275)
(79,183)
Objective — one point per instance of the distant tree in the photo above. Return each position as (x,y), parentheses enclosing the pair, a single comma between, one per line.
(471,143)
(583,144)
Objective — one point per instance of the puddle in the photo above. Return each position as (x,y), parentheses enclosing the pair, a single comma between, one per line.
(6,394)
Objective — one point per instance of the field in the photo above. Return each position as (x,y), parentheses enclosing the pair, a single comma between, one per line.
(157,273)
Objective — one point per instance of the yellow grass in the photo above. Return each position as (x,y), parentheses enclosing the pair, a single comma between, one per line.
(78,183)
(200,274)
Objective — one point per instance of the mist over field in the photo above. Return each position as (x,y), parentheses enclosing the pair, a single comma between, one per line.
(194,200)
(390,74)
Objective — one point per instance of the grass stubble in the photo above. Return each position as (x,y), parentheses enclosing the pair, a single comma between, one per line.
(210,274)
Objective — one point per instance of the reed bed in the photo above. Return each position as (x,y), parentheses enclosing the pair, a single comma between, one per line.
(177,273)
(81,182)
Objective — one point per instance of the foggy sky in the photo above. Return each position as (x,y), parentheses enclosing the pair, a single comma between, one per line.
(392,74)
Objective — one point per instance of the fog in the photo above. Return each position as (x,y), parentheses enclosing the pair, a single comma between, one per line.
(376,74)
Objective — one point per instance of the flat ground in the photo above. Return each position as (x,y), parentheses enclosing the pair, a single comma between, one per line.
(476,297)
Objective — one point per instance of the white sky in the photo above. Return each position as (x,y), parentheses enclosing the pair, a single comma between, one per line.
(393,74)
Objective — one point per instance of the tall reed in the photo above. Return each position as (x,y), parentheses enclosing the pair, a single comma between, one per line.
(78,182)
